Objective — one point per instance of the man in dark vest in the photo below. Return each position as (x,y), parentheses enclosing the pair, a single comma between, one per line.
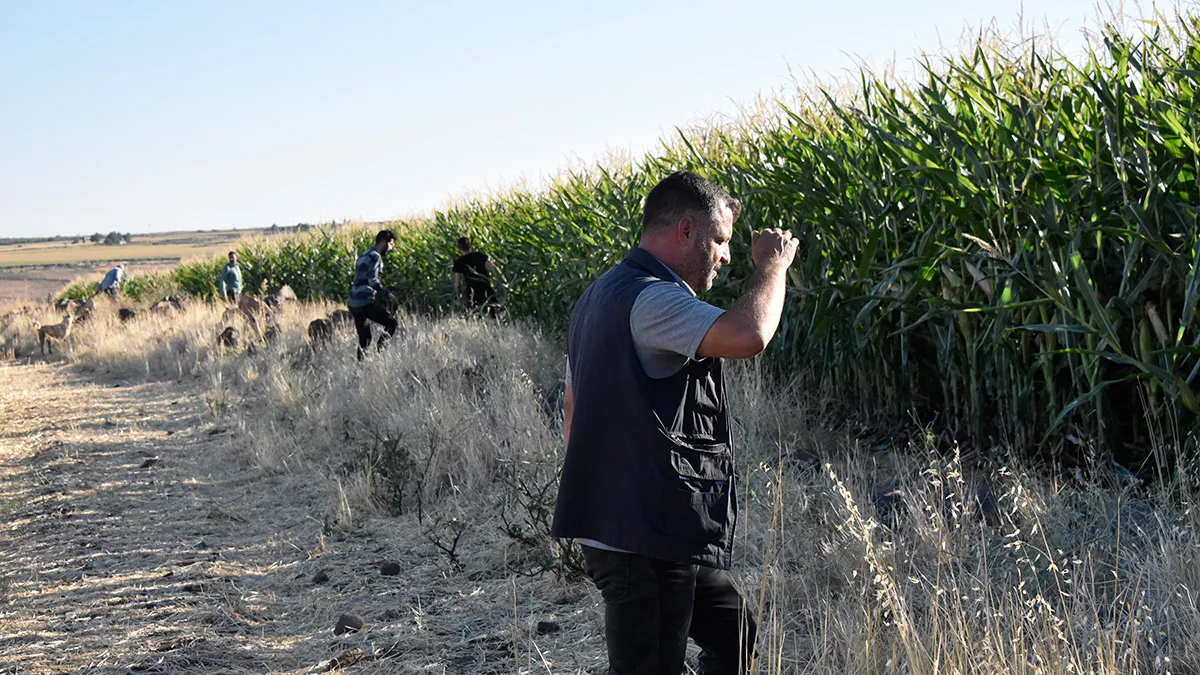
(648,480)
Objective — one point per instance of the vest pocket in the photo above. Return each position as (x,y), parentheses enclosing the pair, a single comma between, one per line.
(695,505)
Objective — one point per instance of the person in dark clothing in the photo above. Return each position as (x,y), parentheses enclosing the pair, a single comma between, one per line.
(368,297)
(473,272)
(647,483)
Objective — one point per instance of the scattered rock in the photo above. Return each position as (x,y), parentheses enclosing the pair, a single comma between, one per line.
(348,623)
(149,462)
(321,577)
(390,569)
(202,545)
(193,588)
(548,627)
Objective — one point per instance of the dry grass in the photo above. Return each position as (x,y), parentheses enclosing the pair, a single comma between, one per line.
(862,557)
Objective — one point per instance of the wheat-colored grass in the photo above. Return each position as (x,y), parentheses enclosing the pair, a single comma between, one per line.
(448,439)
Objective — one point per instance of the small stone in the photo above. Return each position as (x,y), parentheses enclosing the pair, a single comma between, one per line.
(321,577)
(202,545)
(390,569)
(348,623)
(149,462)
(548,627)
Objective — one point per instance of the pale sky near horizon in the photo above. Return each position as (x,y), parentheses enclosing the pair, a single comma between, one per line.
(151,116)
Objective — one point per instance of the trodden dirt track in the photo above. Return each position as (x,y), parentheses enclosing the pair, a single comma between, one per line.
(136,537)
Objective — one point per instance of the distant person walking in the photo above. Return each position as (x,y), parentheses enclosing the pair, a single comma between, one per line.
(111,283)
(648,477)
(368,296)
(473,275)
(231,279)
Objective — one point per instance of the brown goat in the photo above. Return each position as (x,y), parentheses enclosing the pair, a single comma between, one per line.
(58,331)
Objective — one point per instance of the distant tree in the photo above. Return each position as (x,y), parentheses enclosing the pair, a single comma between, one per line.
(128,238)
(274,227)
(112,239)
(303,227)
(97,238)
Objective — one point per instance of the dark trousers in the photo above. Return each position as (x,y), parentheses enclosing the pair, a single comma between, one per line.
(652,606)
(380,316)
(478,294)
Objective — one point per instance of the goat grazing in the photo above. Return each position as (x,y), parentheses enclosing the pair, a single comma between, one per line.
(58,331)
(320,331)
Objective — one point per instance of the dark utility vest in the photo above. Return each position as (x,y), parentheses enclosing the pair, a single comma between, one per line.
(649,467)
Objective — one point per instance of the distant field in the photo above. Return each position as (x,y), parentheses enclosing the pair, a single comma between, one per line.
(32,270)
(159,247)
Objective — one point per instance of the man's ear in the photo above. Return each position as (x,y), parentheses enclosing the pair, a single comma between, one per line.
(685,229)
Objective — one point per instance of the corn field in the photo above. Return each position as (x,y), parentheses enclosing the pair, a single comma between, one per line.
(1005,248)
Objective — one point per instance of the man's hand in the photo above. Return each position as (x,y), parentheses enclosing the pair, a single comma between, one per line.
(750,323)
(773,246)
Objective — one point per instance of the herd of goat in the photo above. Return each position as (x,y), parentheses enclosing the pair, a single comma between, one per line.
(254,311)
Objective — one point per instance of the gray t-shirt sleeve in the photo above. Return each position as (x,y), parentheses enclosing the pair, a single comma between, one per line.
(668,323)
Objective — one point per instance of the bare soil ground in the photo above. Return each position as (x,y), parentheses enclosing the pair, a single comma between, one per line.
(137,537)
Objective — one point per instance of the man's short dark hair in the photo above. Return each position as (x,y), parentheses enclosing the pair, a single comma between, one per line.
(684,193)
(464,244)
(384,235)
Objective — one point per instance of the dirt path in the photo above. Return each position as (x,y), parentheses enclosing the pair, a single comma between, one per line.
(136,537)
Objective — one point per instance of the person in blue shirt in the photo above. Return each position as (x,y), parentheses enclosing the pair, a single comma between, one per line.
(368,297)
(231,279)
(111,283)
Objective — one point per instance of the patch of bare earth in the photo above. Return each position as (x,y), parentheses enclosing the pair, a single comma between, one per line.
(137,537)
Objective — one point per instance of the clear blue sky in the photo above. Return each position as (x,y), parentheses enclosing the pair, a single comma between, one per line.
(154,116)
